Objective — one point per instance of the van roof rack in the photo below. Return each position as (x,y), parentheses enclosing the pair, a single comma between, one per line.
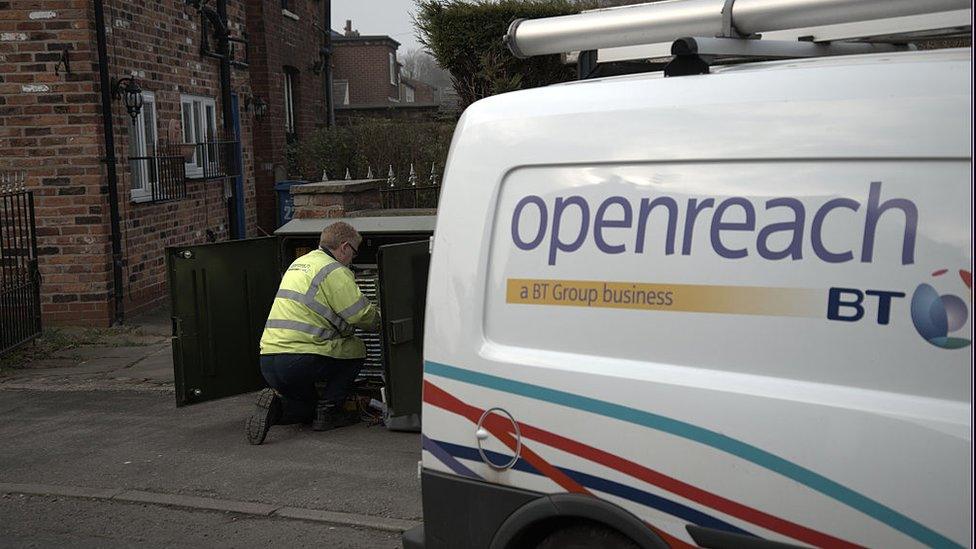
(687,36)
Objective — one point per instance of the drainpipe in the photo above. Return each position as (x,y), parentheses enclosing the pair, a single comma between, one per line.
(110,162)
(223,50)
(327,60)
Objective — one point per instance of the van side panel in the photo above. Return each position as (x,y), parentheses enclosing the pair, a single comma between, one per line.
(739,301)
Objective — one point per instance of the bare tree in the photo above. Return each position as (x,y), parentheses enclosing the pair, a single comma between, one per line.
(420,65)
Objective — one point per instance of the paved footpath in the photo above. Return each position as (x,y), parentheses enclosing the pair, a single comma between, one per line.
(104,434)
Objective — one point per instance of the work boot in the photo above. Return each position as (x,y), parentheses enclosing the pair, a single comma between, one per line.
(330,416)
(267,411)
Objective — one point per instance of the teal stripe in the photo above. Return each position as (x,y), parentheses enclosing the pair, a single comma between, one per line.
(804,476)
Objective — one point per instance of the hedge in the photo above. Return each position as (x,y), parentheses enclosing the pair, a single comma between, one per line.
(466,39)
(376,144)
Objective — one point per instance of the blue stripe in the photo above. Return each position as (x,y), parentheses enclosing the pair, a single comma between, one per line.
(438,452)
(668,506)
(788,469)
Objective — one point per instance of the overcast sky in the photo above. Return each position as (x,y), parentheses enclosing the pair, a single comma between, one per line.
(389,17)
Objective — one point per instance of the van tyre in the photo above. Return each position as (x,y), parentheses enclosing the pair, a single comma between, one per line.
(586,535)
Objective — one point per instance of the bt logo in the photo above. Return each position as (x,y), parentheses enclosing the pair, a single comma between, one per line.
(936,316)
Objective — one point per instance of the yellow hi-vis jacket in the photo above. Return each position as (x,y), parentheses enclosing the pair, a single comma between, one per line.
(316,310)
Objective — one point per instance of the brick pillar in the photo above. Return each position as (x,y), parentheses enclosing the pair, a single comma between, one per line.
(336,198)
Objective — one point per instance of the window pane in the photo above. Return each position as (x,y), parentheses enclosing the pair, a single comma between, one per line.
(135,151)
(211,127)
(198,136)
(187,110)
(187,122)
(289,104)
(149,131)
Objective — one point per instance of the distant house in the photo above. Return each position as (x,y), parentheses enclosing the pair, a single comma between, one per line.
(366,79)
(365,69)
(416,92)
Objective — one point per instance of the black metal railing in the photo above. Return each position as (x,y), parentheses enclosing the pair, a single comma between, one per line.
(162,174)
(215,159)
(413,193)
(20,280)
(410,196)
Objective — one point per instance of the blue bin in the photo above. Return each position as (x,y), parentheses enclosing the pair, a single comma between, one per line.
(286,206)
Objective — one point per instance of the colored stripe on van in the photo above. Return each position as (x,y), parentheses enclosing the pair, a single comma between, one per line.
(436,396)
(436,449)
(607,486)
(767,460)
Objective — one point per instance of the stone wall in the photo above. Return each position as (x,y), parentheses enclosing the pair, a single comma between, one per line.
(336,198)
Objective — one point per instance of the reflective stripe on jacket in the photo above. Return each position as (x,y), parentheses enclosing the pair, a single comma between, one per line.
(316,310)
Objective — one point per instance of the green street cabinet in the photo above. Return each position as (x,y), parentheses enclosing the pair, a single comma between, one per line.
(220,295)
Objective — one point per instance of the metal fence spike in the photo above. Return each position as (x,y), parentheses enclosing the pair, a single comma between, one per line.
(391,177)
(369,172)
(348,176)
(325,174)
(432,180)
(412,178)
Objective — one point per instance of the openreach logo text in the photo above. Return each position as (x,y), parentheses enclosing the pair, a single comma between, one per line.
(568,222)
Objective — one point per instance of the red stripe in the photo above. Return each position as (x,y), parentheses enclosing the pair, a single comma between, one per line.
(438,397)
(499,427)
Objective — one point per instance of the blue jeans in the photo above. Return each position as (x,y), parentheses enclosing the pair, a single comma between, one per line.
(294,377)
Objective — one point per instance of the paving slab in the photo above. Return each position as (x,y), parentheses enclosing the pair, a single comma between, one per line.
(157,366)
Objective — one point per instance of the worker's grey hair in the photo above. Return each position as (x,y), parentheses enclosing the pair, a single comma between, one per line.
(335,234)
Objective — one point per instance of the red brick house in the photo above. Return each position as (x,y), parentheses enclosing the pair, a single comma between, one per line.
(102,259)
(367,81)
(367,72)
(288,76)
(415,91)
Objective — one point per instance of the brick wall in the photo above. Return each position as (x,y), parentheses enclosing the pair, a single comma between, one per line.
(52,129)
(278,40)
(365,64)
(49,129)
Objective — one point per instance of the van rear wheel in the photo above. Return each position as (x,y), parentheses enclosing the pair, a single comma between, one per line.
(586,534)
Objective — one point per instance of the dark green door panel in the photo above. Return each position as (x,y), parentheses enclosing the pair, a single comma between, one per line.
(220,296)
(403,281)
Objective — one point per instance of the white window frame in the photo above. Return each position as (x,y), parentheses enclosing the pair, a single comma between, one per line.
(198,117)
(393,71)
(289,102)
(143,141)
(409,95)
(344,100)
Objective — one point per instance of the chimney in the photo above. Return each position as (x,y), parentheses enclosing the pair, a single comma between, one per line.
(348,30)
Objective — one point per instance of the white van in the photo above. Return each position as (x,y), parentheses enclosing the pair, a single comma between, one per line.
(718,310)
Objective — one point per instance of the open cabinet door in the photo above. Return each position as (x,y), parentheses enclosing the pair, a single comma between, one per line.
(403,283)
(220,296)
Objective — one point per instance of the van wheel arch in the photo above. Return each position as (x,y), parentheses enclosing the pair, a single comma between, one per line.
(532,522)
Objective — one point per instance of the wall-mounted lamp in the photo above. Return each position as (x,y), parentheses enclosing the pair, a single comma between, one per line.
(130,93)
(260,107)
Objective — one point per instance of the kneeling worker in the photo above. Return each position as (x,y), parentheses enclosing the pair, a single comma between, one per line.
(309,338)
